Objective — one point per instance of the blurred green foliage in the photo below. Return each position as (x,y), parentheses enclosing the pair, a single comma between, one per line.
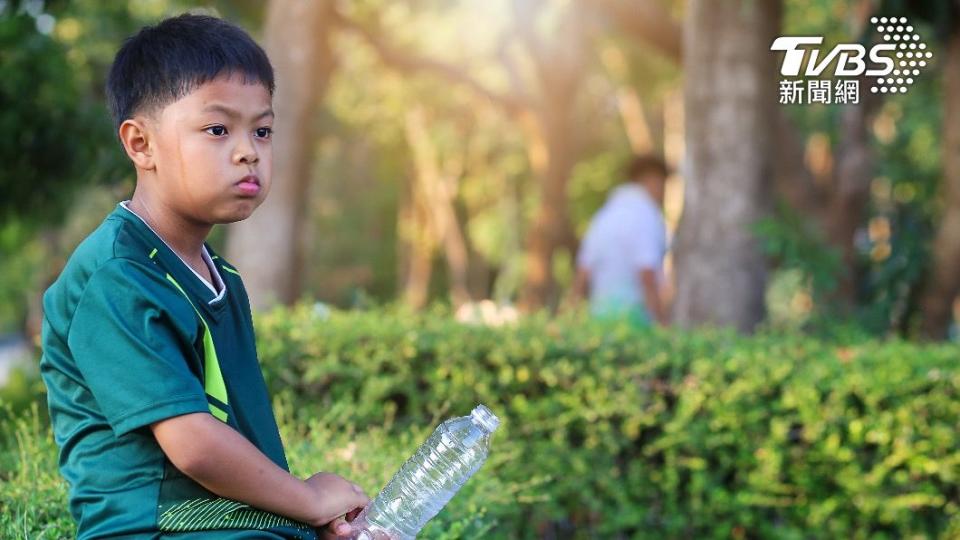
(890,269)
(607,430)
(905,194)
(62,50)
(47,148)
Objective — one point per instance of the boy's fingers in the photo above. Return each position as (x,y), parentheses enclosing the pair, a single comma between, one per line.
(341,527)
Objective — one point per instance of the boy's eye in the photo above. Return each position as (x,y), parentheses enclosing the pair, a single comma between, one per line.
(264,132)
(217,131)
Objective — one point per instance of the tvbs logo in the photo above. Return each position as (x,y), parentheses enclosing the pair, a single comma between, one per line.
(892,63)
(849,58)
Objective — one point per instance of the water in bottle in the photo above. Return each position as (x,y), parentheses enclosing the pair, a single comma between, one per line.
(429,479)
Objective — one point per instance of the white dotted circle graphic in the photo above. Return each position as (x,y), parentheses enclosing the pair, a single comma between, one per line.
(909,51)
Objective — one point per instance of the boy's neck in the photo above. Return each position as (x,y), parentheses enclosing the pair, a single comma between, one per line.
(183,236)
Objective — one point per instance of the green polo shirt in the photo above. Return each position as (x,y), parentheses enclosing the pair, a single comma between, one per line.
(131,335)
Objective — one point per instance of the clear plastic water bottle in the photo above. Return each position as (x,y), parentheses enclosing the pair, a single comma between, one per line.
(429,479)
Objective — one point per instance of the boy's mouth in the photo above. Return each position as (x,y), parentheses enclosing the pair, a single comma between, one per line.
(249,185)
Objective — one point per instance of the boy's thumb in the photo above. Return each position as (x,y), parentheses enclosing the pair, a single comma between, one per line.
(341,527)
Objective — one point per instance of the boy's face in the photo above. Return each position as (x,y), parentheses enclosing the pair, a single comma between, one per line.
(213,151)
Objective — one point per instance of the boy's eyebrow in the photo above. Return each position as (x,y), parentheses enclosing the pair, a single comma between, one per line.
(216,107)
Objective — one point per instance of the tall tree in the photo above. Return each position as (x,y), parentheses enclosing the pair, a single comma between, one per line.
(268,246)
(854,167)
(944,280)
(433,196)
(553,144)
(730,99)
(542,103)
(834,201)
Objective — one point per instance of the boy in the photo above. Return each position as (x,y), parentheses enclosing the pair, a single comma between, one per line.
(156,397)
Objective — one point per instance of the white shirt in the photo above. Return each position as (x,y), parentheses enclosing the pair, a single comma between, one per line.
(625,236)
(218,284)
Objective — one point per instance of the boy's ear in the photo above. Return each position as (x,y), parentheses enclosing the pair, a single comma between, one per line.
(137,142)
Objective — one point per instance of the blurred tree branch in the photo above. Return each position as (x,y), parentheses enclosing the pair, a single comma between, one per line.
(407,62)
(545,114)
(434,191)
(646,20)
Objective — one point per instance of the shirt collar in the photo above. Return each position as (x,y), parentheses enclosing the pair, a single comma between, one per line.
(220,284)
(630,191)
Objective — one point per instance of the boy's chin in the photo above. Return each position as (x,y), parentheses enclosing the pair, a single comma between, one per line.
(235,214)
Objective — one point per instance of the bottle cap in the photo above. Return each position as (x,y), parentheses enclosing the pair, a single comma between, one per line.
(485,418)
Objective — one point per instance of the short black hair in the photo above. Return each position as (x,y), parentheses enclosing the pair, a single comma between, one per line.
(160,64)
(644,164)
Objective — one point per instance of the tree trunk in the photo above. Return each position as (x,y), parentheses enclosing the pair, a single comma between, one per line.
(553,146)
(417,248)
(545,115)
(629,103)
(730,99)
(268,247)
(944,280)
(435,193)
(551,226)
(852,175)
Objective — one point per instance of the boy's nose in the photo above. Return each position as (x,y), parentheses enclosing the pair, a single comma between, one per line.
(246,155)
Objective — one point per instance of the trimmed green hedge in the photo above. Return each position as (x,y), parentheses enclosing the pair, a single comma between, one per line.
(653,433)
(608,432)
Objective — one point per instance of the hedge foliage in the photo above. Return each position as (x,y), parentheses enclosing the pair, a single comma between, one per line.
(657,433)
(608,431)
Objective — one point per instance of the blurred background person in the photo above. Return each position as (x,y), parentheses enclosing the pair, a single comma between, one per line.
(620,262)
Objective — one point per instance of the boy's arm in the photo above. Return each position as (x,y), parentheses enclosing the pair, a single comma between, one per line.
(223,461)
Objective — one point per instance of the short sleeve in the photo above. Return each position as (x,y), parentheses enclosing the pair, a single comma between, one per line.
(132,341)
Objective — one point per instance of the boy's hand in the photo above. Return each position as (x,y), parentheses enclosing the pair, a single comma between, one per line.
(339,528)
(338,498)
(350,527)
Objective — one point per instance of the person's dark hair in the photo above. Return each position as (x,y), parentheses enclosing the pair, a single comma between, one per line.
(161,64)
(645,164)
